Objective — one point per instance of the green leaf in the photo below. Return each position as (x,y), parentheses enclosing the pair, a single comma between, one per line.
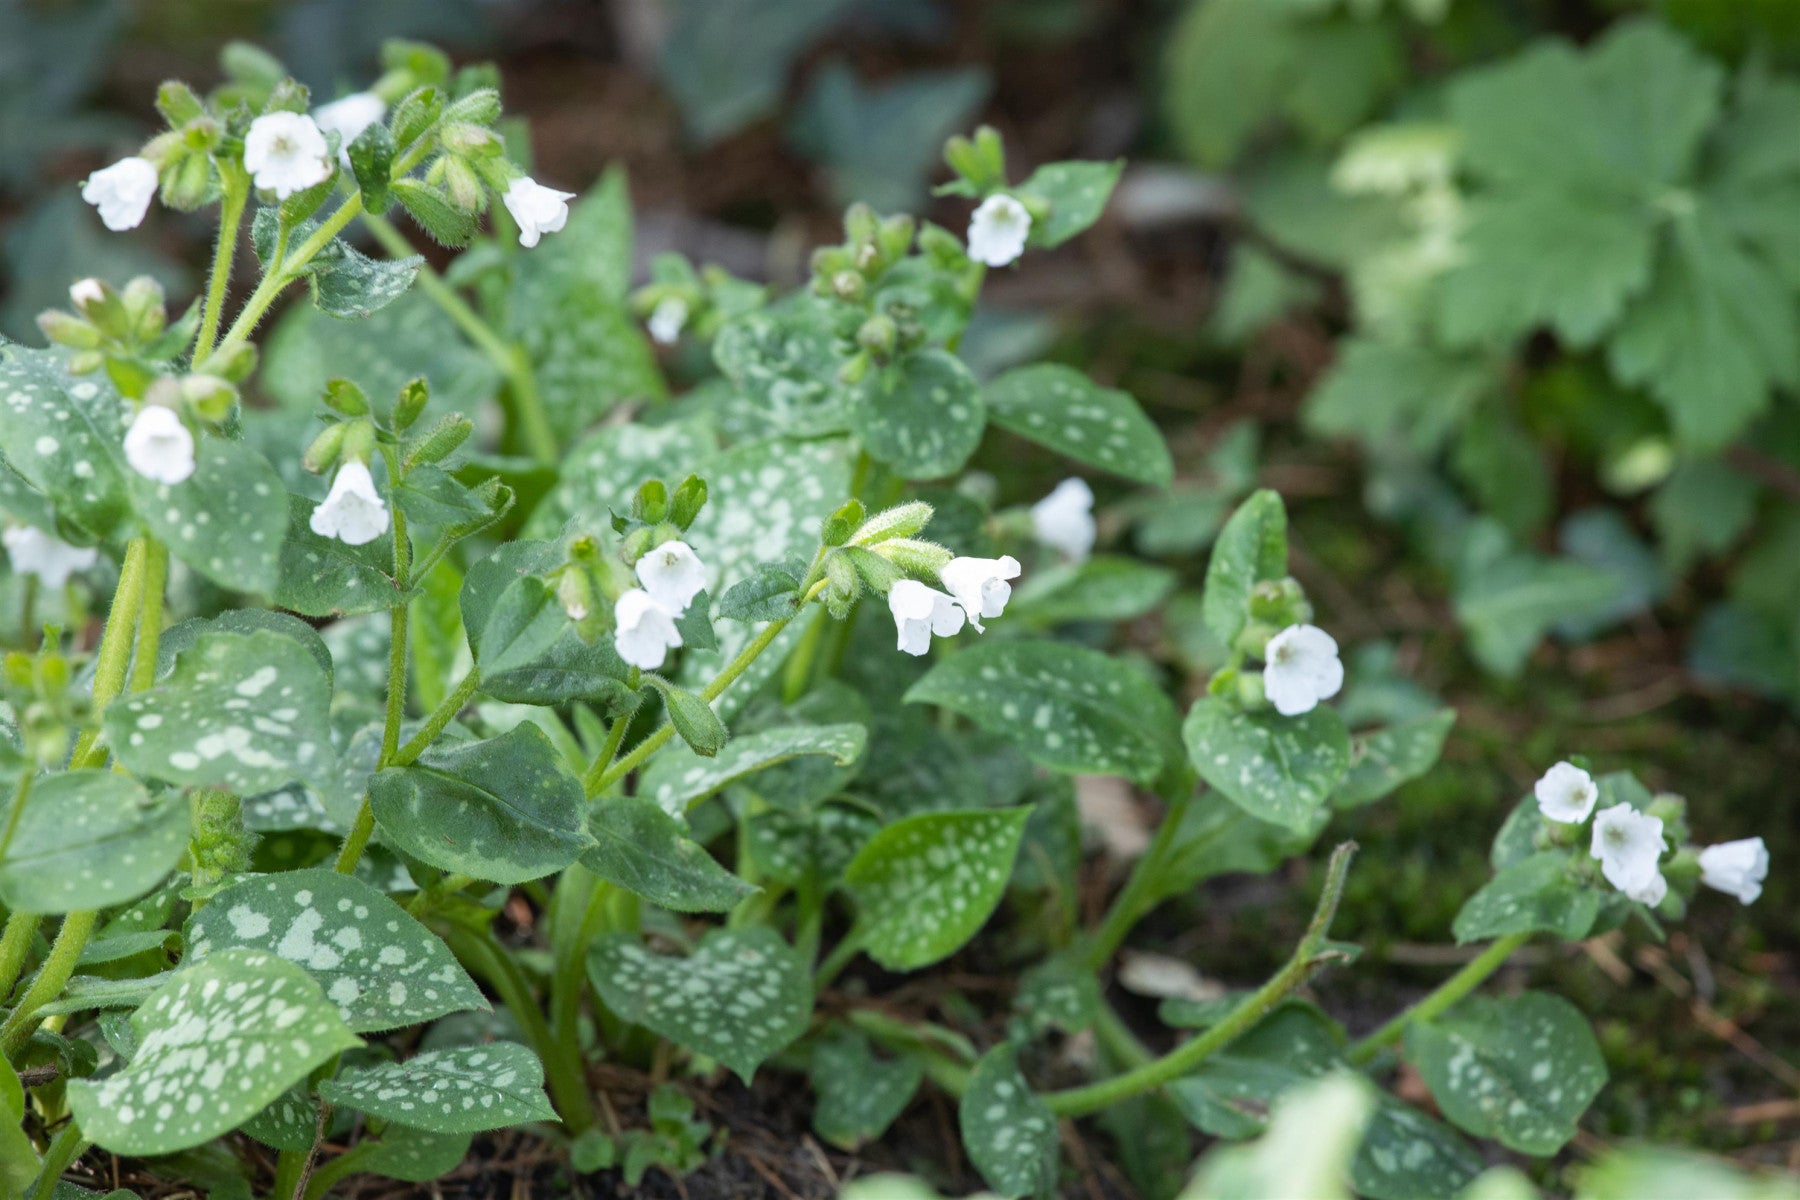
(1538,893)
(1506,599)
(858,1095)
(505,809)
(1387,758)
(1103,588)
(241,711)
(19,1162)
(348,283)
(323,577)
(1278,769)
(1384,393)
(677,781)
(371,155)
(922,415)
(1250,548)
(809,847)
(783,362)
(726,63)
(741,997)
(770,594)
(1009,1132)
(1704,507)
(431,210)
(63,435)
(414,1155)
(1076,192)
(1067,707)
(217,1044)
(376,963)
(1060,407)
(644,850)
(90,839)
(178,638)
(925,885)
(289,1124)
(226,520)
(1519,1069)
(528,650)
(462,1090)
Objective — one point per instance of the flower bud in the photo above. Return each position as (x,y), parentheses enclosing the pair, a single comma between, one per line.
(462,186)
(636,544)
(289,95)
(235,362)
(414,395)
(143,303)
(480,107)
(903,520)
(689,499)
(1250,691)
(1279,602)
(359,441)
(1224,682)
(472,140)
(345,397)
(877,572)
(894,237)
(861,224)
(651,503)
(67,329)
(878,335)
(323,454)
(210,396)
(177,103)
(221,844)
(841,525)
(847,285)
(843,586)
(1254,638)
(85,362)
(855,369)
(575,592)
(916,557)
(187,184)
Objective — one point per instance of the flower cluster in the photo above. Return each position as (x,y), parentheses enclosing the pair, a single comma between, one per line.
(978,588)
(669,577)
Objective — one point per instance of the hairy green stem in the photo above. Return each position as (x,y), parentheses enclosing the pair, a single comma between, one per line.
(273,284)
(15,944)
(21,796)
(837,960)
(113,660)
(566,982)
(1132,903)
(1447,993)
(150,616)
(231,214)
(341,1167)
(440,716)
(71,940)
(64,1149)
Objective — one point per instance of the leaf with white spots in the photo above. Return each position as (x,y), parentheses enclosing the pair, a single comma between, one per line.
(90,839)
(604,469)
(858,1094)
(925,885)
(414,1155)
(217,1044)
(647,852)
(227,520)
(679,779)
(1067,707)
(1009,1132)
(1278,769)
(783,363)
(505,809)
(1251,547)
(922,415)
(1539,893)
(290,1123)
(1518,1069)
(1075,193)
(1387,758)
(177,638)
(815,846)
(741,997)
(464,1090)
(63,434)
(381,967)
(525,644)
(242,711)
(323,577)
(1103,588)
(1059,407)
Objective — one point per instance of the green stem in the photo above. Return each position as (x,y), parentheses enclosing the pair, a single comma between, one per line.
(357,840)
(797,677)
(609,750)
(21,795)
(65,1148)
(272,285)
(71,940)
(1133,900)
(440,716)
(1447,993)
(150,616)
(1118,1039)
(1307,957)
(837,960)
(113,660)
(344,1165)
(231,215)
(566,982)
(15,944)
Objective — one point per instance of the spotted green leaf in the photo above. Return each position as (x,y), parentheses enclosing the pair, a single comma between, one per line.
(797,847)
(1102,588)
(376,963)
(226,520)
(62,433)
(290,1123)
(782,362)
(90,839)
(525,644)
(19,1162)
(348,283)
(1383,760)
(677,780)
(1538,893)
(241,711)
(462,1090)
(1060,407)
(858,1094)
(322,577)
(644,850)
(604,469)
(926,884)
(1250,548)
(505,809)
(1067,707)
(178,638)
(922,415)
(217,1044)
(1518,1069)
(1278,769)
(1075,192)
(414,1155)
(741,997)
(1009,1132)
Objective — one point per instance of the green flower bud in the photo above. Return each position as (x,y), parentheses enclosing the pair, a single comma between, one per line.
(289,95)
(855,369)
(877,572)
(414,395)
(221,845)
(861,224)
(462,186)
(460,137)
(1224,683)
(210,396)
(842,524)
(480,107)
(67,329)
(178,104)
(689,499)
(343,396)
(1250,689)
(86,362)
(878,335)
(575,592)
(636,544)
(143,301)
(322,455)
(903,520)
(187,183)
(843,586)
(651,503)
(359,441)
(914,556)
(235,362)
(848,285)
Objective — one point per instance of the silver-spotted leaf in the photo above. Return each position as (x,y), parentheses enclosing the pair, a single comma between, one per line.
(647,852)
(1009,1132)
(923,415)
(1539,893)
(858,1094)
(1383,760)
(226,520)
(677,779)
(1060,407)
(1250,548)
(323,577)
(462,1090)
(1278,769)
(90,839)
(63,434)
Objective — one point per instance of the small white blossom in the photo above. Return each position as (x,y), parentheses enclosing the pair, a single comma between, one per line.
(998,230)
(645,630)
(1736,868)
(1566,793)
(1650,890)
(668,319)
(673,575)
(1064,520)
(122,192)
(353,512)
(348,118)
(921,611)
(52,560)
(981,585)
(84,292)
(286,153)
(1301,668)
(158,446)
(537,209)
(1628,844)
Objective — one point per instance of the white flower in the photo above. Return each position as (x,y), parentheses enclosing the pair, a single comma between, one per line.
(348,118)
(1064,520)
(646,630)
(998,230)
(52,560)
(122,192)
(1301,668)
(286,153)
(1628,844)
(158,446)
(1736,868)
(981,585)
(537,209)
(353,511)
(1650,890)
(667,320)
(921,611)
(673,575)
(86,291)
(1566,793)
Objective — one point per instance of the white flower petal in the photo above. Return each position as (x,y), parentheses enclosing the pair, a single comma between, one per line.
(285,153)
(353,512)
(1566,793)
(122,192)
(919,612)
(1629,845)
(673,575)
(348,118)
(1301,668)
(997,230)
(645,631)
(982,586)
(1736,868)
(668,319)
(158,446)
(1064,520)
(34,552)
(537,209)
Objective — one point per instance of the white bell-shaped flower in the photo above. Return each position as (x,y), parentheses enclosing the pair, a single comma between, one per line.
(1650,890)
(34,552)
(158,446)
(673,575)
(537,209)
(668,319)
(122,192)
(1301,668)
(644,630)
(981,585)
(84,292)
(1736,868)
(353,512)
(285,153)
(1628,844)
(1064,520)
(348,118)
(997,230)
(921,611)
(1566,793)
